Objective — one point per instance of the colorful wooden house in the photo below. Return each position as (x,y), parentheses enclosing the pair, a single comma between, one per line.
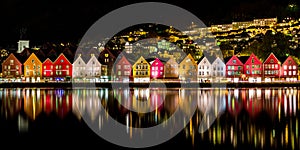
(79,68)
(171,69)
(157,69)
(289,69)
(93,68)
(141,70)
(204,69)
(33,68)
(234,69)
(218,69)
(123,69)
(11,67)
(48,70)
(272,68)
(253,69)
(188,69)
(107,58)
(62,68)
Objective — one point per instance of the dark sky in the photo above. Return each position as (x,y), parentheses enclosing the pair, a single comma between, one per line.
(66,20)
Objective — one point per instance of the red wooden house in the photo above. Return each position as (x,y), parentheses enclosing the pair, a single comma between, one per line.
(62,68)
(253,69)
(157,69)
(234,68)
(272,68)
(48,70)
(122,69)
(289,69)
(11,67)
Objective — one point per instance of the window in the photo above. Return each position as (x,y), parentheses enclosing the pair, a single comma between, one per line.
(126,73)
(294,72)
(61,60)
(17,73)
(290,67)
(234,61)
(44,67)
(8,67)
(11,61)
(271,61)
(106,54)
(67,72)
(67,66)
(247,66)
(5,67)
(44,73)
(161,68)
(248,72)
(32,60)
(252,60)
(290,72)
(51,66)
(294,66)
(290,62)
(183,67)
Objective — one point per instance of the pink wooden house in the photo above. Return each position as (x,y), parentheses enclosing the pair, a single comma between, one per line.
(289,69)
(234,68)
(122,69)
(272,68)
(157,69)
(253,69)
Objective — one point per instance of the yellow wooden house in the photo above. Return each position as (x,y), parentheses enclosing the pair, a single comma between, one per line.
(33,69)
(141,70)
(188,69)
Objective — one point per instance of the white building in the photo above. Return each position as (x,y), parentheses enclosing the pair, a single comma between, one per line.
(79,67)
(204,69)
(218,69)
(93,68)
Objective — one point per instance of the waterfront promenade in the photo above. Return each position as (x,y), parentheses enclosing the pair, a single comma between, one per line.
(145,84)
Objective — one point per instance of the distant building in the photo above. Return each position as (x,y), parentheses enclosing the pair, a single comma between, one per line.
(22,44)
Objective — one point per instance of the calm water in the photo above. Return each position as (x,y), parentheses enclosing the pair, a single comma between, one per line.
(256,118)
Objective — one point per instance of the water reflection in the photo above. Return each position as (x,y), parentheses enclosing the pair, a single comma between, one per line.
(257,117)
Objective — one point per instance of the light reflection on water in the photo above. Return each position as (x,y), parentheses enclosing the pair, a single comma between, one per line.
(260,117)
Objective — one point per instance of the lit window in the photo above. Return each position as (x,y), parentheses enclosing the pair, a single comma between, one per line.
(271,61)
(44,67)
(234,61)
(61,60)
(11,61)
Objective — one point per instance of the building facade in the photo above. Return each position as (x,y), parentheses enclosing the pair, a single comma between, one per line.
(33,68)
(11,67)
(141,70)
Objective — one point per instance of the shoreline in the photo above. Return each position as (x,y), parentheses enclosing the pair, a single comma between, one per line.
(145,85)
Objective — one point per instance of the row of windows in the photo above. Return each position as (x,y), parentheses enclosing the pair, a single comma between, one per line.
(143,73)
(155,73)
(9,73)
(156,68)
(172,72)
(290,73)
(126,73)
(253,66)
(10,67)
(142,66)
(271,66)
(56,73)
(271,72)
(231,73)
(189,67)
(290,67)
(125,67)
(234,67)
(35,73)
(253,72)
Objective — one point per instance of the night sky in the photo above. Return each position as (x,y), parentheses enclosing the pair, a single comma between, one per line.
(51,20)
